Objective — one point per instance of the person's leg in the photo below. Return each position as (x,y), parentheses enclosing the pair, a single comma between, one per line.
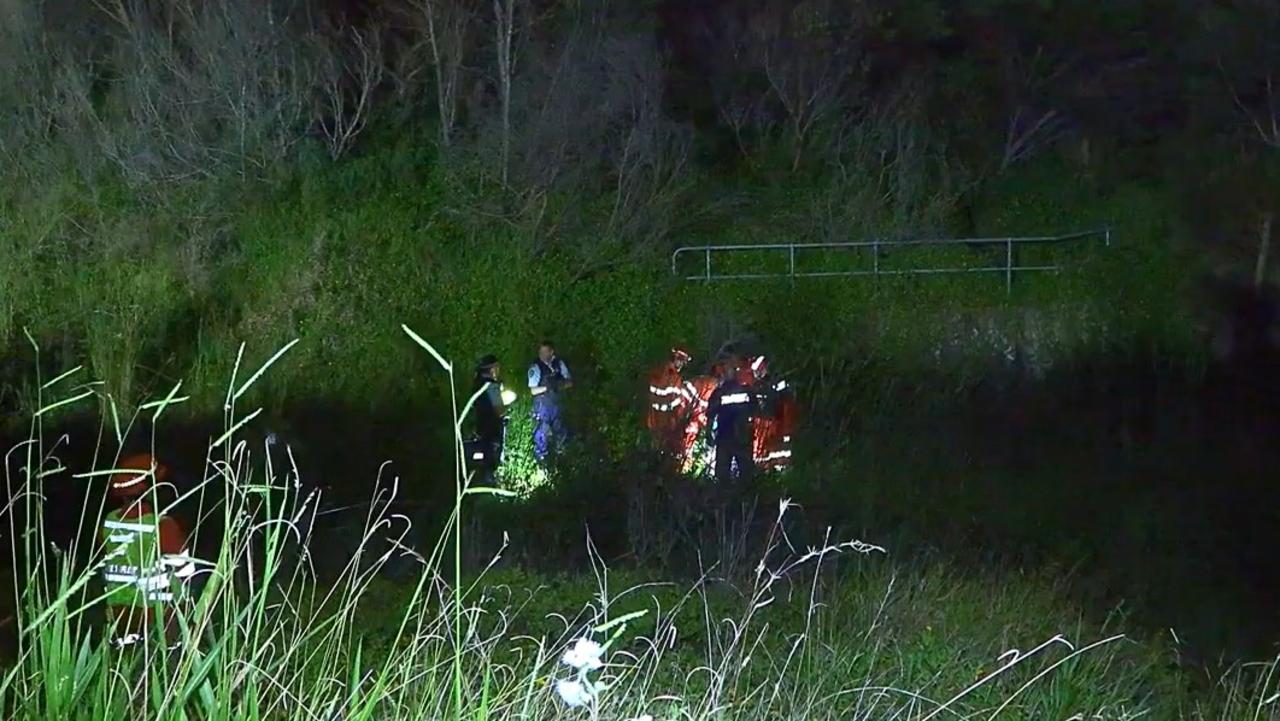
(675,440)
(485,467)
(172,627)
(541,433)
(128,625)
(655,432)
(761,433)
(724,462)
(559,433)
(484,473)
(745,463)
(116,624)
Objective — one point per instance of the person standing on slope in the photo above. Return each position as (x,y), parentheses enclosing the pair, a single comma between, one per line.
(548,377)
(491,411)
(670,402)
(775,423)
(730,411)
(146,563)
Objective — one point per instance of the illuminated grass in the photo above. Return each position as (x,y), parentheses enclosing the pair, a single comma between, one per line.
(820,633)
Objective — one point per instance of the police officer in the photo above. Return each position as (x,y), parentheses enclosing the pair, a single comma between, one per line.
(548,377)
(730,410)
(491,418)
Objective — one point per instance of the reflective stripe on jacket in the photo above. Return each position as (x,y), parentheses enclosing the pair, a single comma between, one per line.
(730,409)
(668,391)
(136,570)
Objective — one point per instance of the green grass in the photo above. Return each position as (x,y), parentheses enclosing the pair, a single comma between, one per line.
(147,291)
(835,631)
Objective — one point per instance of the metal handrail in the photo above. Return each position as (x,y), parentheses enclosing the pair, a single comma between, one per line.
(876,245)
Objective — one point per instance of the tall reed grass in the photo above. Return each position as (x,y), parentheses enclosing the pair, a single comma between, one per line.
(265,637)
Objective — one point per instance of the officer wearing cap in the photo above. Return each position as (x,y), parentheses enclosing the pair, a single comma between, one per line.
(491,418)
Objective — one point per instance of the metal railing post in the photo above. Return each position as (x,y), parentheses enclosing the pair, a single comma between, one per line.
(708,264)
(1008,266)
(875,256)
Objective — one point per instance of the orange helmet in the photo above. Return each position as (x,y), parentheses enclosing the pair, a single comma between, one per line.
(136,474)
(679,353)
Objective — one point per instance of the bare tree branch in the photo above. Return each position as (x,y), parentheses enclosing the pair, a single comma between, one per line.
(504,13)
(1265,121)
(1035,121)
(342,111)
(1264,250)
(444,25)
(739,105)
(201,90)
(1025,139)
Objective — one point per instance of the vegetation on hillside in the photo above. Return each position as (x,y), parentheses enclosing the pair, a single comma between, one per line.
(183,183)
(180,179)
(832,631)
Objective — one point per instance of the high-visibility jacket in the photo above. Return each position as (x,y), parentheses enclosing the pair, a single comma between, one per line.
(145,557)
(773,428)
(670,397)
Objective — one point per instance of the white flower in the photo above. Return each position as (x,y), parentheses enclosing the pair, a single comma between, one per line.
(585,655)
(575,693)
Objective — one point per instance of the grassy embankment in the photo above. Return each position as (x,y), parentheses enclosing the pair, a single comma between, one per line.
(338,256)
(835,631)
(148,291)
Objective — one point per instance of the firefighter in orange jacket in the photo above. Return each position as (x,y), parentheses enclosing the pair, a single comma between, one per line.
(146,563)
(774,426)
(670,401)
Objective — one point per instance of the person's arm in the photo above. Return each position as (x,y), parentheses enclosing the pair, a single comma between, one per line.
(564,372)
(494,391)
(688,392)
(174,554)
(713,405)
(535,381)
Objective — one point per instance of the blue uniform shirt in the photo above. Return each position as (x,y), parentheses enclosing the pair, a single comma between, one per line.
(545,376)
(540,369)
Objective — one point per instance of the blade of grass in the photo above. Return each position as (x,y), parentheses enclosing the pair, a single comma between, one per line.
(235,371)
(429,348)
(263,369)
(60,378)
(64,402)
